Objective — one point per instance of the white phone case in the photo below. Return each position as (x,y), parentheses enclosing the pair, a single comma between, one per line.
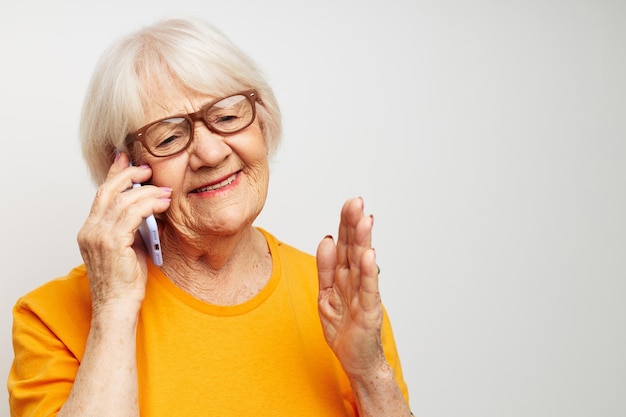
(150,234)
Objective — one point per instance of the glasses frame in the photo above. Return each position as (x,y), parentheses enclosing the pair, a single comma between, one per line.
(200,115)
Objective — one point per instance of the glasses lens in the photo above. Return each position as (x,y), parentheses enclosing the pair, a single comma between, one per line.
(230,114)
(168,136)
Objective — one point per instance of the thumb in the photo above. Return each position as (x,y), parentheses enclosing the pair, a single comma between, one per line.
(326,262)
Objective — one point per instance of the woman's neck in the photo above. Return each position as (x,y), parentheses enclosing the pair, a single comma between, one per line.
(219,270)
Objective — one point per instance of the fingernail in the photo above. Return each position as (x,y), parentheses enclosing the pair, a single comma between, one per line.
(329,237)
(166,189)
(372,217)
(117,155)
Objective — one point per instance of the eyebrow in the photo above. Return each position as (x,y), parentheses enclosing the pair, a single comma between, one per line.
(175,113)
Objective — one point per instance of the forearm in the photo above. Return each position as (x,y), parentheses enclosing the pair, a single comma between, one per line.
(106,381)
(379,395)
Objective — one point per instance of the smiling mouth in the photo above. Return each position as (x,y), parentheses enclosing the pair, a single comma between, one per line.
(217,186)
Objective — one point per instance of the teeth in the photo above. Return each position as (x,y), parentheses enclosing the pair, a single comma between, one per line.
(224,183)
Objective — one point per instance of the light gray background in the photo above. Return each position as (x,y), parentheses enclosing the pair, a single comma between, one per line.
(487,137)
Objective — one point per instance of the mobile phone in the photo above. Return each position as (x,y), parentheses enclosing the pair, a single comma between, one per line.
(150,235)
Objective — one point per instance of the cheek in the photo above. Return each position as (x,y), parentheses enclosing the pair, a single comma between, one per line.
(250,145)
(261,176)
(258,161)
(167,173)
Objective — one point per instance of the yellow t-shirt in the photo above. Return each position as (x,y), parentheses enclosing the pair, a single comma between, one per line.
(265,357)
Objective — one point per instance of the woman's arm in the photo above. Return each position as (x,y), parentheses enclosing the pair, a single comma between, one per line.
(106,381)
(351,313)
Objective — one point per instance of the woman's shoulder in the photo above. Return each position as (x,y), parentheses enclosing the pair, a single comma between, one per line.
(59,292)
(57,311)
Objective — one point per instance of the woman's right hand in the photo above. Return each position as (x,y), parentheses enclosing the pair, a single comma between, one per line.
(112,250)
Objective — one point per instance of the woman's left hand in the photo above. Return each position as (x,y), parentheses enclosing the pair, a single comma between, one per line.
(349,300)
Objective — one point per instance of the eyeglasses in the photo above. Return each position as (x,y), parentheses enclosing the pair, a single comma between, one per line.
(171,135)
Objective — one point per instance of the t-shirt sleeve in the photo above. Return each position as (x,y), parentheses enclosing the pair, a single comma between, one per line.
(43,370)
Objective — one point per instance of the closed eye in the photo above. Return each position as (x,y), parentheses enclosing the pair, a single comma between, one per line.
(167,141)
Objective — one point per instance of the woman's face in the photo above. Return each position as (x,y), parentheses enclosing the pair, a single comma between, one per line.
(219,183)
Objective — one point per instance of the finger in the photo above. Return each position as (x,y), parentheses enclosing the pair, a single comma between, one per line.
(145,200)
(120,162)
(326,259)
(361,238)
(119,179)
(369,293)
(351,211)
(355,232)
(360,242)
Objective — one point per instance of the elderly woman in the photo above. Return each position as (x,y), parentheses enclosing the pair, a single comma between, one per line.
(234,322)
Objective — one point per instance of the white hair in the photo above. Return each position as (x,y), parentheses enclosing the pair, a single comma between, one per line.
(163,55)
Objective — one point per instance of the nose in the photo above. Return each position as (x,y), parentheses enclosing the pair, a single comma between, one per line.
(207,149)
